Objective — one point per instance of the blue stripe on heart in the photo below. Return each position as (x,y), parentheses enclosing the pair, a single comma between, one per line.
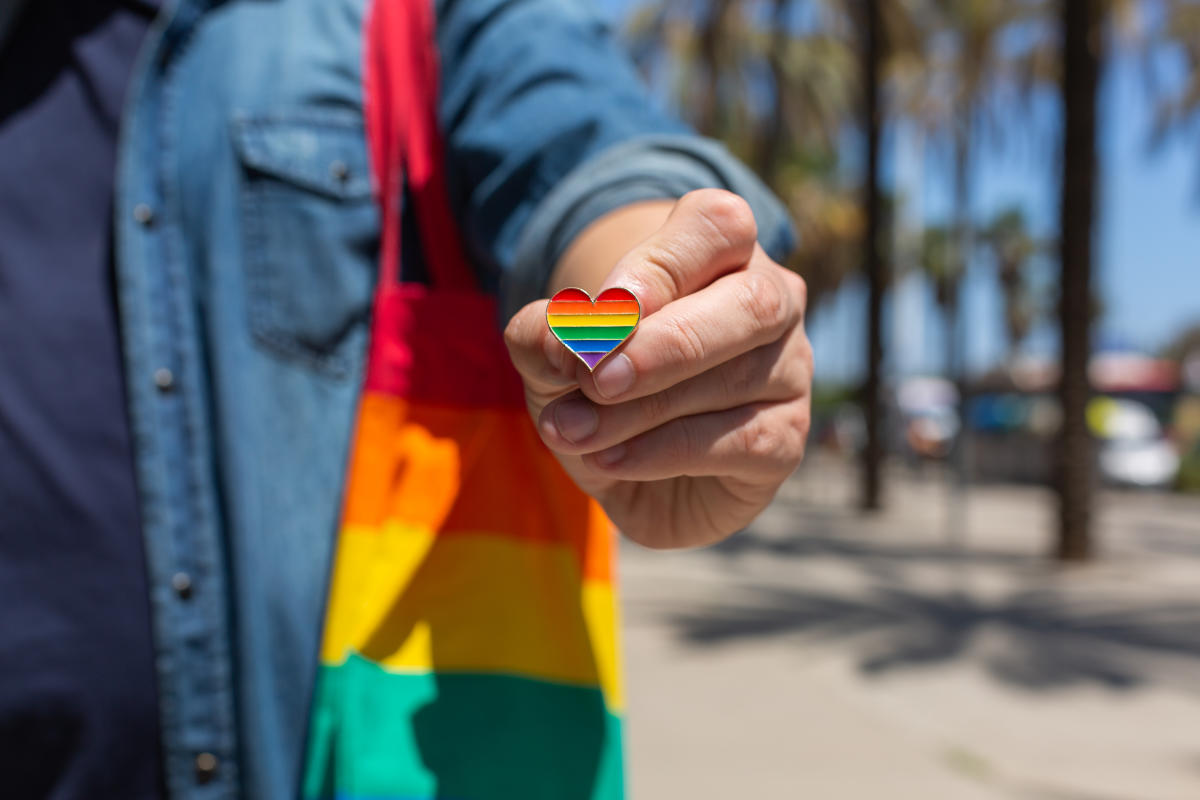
(592,345)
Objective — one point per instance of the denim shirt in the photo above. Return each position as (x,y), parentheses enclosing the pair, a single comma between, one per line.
(247,241)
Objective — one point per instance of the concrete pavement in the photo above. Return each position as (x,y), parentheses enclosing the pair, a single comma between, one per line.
(822,654)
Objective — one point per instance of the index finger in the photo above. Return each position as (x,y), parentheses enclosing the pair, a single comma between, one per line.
(545,365)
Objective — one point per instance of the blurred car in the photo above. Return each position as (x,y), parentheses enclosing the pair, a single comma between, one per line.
(928,416)
(929,433)
(1133,449)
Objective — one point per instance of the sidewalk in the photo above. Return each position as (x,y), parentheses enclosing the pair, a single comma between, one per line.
(823,654)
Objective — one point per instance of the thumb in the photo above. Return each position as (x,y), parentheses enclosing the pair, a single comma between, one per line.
(709,233)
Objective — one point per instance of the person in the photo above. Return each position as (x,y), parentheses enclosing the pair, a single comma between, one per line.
(188,247)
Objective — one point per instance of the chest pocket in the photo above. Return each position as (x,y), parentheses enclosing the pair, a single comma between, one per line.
(310,231)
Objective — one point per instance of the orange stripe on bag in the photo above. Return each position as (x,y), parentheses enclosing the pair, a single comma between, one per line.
(413,461)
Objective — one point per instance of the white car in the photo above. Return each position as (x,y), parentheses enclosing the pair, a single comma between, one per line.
(1133,450)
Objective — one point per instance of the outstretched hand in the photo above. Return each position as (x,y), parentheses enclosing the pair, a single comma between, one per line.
(687,431)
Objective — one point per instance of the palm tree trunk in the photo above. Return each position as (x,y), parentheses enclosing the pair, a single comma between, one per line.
(1075,461)
(770,145)
(872,486)
(956,517)
(710,56)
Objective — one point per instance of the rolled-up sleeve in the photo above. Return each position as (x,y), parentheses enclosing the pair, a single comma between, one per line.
(549,127)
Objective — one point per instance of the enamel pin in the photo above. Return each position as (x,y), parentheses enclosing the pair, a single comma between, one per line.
(592,329)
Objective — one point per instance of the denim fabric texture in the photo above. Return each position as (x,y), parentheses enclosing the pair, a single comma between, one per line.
(247,242)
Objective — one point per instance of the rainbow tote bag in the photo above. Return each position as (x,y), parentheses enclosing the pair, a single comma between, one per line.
(470,646)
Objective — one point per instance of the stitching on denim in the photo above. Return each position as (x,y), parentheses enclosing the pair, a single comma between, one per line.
(249,136)
(261,269)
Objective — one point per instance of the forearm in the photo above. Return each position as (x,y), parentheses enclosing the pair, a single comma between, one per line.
(596,250)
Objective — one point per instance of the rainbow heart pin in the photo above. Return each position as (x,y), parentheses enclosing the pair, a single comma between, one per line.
(591,329)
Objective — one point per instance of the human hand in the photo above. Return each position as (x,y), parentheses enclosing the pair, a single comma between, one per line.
(686,432)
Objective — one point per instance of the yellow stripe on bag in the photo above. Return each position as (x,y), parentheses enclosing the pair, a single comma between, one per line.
(412,601)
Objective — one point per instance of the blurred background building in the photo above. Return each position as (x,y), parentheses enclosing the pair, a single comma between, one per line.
(999,213)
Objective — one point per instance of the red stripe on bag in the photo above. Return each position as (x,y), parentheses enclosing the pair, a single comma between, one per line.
(400,105)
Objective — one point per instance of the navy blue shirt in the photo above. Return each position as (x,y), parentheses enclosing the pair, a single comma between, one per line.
(78,707)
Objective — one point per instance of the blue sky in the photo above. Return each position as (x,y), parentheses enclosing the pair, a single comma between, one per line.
(1147,241)
(1150,220)
(1148,238)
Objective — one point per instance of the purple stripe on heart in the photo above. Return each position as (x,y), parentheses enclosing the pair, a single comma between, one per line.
(591,359)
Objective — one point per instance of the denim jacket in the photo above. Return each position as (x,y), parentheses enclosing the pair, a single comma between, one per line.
(247,241)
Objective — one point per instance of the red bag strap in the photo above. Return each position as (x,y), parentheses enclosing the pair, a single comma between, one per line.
(400,78)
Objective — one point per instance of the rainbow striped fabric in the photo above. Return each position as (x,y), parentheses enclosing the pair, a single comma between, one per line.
(592,330)
(470,648)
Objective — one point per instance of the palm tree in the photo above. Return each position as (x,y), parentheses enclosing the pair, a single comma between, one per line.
(972,80)
(971,95)
(1013,249)
(1184,344)
(1178,104)
(939,261)
(873,51)
(974,77)
(716,55)
(1080,79)
(826,70)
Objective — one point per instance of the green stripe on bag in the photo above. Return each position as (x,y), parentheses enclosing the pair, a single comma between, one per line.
(462,735)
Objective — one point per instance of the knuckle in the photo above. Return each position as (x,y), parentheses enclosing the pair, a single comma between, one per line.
(520,336)
(682,344)
(795,369)
(761,298)
(691,444)
(801,444)
(740,376)
(797,421)
(512,331)
(657,407)
(680,442)
(801,421)
(728,215)
(798,288)
(762,441)
(664,264)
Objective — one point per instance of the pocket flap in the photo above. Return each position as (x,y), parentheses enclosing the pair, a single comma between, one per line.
(323,152)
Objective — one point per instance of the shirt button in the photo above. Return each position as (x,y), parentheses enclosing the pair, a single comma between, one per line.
(181,582)
(339,171)
(164,379)
(206,767)
(143,214)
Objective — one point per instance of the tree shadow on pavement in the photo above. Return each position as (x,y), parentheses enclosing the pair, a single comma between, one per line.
(879,558)
(1174,541)
(1036,640)
(832,545)
(1038,634)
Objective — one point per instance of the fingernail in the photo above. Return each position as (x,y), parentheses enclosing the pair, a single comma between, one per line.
(609,457)
(614,377)
(576,420)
